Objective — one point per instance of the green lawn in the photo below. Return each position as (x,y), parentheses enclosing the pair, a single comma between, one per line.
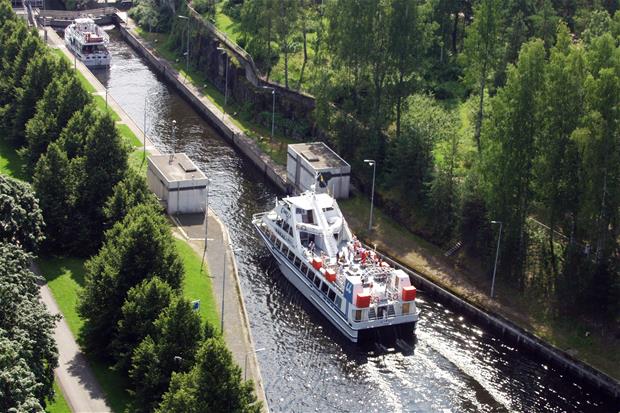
(101,106)
(89,88)
(58,404)
(11,163)
(197,285)
(128,135)
(226,24)
(65,278)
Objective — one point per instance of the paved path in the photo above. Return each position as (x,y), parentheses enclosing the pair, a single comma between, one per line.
(74,376)
(237,331)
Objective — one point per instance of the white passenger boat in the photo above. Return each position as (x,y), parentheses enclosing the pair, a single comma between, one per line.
(352,286)
(88,42)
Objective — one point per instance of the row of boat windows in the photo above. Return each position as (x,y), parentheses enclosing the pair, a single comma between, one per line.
(285,226)
(307,271)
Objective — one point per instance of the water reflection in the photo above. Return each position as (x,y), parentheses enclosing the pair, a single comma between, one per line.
(455,365)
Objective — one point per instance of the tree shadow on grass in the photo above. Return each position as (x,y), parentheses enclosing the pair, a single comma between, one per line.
(54,267)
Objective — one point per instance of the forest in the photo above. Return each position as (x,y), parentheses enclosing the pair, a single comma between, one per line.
(87,202)
(475,111)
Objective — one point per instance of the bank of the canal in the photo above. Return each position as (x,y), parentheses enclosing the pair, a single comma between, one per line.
(457,363)
(237,333)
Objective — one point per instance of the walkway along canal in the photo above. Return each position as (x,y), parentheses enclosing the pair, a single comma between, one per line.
(456,364)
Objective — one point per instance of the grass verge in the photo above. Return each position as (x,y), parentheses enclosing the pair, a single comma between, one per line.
(58,404)
(65,278)
(197,284)
(11,163)
(128,135)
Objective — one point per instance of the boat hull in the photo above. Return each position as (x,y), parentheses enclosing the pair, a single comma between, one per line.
(90,60)
(317,299)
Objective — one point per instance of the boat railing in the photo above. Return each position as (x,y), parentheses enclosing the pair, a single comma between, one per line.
(98,35)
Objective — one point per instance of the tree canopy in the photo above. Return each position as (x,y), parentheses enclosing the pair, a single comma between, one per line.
(21,221)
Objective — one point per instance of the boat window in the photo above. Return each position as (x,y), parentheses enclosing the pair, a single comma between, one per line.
(290,255)
(278,244)
(309,274)
(297,262)
(338,301)
(324,288)
(331,294)
(317,281)
(357,315)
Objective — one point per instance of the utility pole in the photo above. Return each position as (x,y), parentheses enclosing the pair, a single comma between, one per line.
(499,238)
(372,163)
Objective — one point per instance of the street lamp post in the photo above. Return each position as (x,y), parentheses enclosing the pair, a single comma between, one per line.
(144,130)
(204,253)
(224,283)
(496,255)
(245,364)
(273,108)
(372,163)
(187,48)
(106,97)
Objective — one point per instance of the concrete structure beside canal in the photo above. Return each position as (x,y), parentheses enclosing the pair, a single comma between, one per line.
(177,183)
(316,163)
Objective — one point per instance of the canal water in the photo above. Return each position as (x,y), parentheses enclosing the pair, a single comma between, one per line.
(455,365)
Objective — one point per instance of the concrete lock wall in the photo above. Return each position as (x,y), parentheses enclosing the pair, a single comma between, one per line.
(273,172)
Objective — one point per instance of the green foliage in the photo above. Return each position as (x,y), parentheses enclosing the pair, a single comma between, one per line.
(62,98)
(142,306)
(483,48)
(138,247)
(42,68)
(510,146)
(28,353)
(21,221)
(155,15)
(176,337)
(75,178)
(214,384)
(128,193)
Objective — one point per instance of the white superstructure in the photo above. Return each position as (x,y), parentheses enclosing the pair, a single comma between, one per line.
(352,286)
(88,42)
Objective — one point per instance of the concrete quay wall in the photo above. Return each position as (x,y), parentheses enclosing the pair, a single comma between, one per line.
(219,120)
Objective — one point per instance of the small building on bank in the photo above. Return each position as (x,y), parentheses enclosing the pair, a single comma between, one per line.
(177,183)
(315,163)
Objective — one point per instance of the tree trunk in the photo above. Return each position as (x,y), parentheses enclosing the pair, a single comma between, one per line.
(480,114)
(303,65)
(399,102)
(286,66)
(455,30)
(268,49)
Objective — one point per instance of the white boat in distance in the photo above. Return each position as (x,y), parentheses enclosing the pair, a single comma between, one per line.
(352,286)
(88,42)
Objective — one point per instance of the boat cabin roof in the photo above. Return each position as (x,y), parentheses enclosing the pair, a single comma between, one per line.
(305,202)
(84,20)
